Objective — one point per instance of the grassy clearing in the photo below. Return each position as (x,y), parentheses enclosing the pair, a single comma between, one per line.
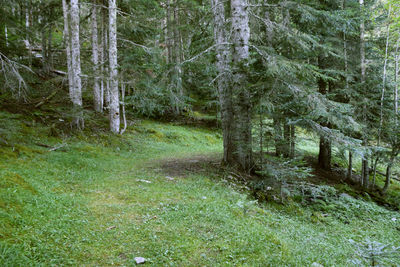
(102,200)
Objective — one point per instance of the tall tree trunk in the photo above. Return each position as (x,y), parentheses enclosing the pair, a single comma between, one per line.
(384,79)
(95,60)
(113,61)
(346,62)
(27,28)
(76,64)
(224,89)
(106,89)
(396,88)
(177,53)
(242,107)
(365,168)
(169,31)
(67,42)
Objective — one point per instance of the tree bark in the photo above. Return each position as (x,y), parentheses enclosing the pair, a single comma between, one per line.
(113,61)
(97,100)
(67,42)
(242,106)
(76,64)
(106,89)
(123,107)
(224,89)
(177,54)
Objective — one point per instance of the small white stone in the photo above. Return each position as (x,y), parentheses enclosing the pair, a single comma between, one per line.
(203,197)
(140,260)
(169,178)
(143,181)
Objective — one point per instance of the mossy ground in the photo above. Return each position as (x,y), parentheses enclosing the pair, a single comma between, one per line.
(103,199)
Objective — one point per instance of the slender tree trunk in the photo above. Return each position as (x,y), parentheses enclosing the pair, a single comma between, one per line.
(76,64)
(67,42)
(384,80)
(224,89)
(106,90)
(102,58)
(396,87)
(177,53)
(28,35)
(292,141)
(349,175)
(242,108)
(346,63)
(123,106)
(113,61)
(95,60)
(365,168)
(350,167)
(169,31)
(261,141)
(75,53)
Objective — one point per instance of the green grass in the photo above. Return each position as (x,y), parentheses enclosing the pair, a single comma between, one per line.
(88,203)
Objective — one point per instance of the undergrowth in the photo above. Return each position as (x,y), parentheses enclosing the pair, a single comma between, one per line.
(98,199)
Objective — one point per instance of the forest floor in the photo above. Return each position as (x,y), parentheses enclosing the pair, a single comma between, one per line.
(157,192)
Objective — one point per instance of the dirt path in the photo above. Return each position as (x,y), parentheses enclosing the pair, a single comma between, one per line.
(180,167)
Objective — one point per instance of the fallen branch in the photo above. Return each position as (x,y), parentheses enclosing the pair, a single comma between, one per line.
(47,98)
(57,147)
(43,145)
(59,72)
